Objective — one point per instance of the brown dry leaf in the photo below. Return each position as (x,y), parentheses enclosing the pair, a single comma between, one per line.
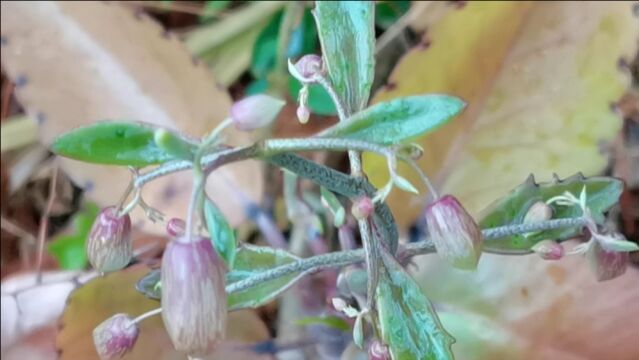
(80,62)
(115,293)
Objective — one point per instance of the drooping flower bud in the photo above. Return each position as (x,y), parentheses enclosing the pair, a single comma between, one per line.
(362,207)
(307,68)
(606,264)
(456,235)
(115,336)
(255,112)
(378,351)
(193,296)
(539,211)
(175,227)
(548,250)
(303,114)
(109,246)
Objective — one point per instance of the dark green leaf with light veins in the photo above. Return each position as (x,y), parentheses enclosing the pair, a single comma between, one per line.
(251,260)
(398,120)
(602,193)
(221,233)
(346,31)
(112,143)
(408,323)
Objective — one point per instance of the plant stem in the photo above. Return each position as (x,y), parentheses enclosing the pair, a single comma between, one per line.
(263,149)
(343,258)
(147,314)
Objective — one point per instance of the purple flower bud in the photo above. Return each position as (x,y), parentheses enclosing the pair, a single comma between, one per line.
(456,235)
(362,207)
(308,66)
(115,336)
(109,246)
(606,264)
(193,296)
(175,227)
(255,112)
(378,351)
(548,250)
(303,114)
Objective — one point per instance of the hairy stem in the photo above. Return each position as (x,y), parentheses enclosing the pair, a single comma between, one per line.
(343,258)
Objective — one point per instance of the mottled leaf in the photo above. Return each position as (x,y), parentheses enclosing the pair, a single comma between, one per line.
(347,36)
(408,322)
(601,193)
(398,120)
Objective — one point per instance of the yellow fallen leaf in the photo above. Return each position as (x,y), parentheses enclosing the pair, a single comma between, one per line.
(539,79)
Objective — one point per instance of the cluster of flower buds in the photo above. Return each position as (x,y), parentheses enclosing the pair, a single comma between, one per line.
(193,295)
(255,112)
(109,246)
(456,235)
(115,336)
(308,69)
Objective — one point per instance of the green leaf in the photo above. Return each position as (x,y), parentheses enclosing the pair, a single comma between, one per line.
(251,260)
(332,322)
(398,120)
(601,193)
(408,323)
(221,233)
(213,8)
(404,184)
(388,12)
(620,245)
(69,250)
(347,36)
(319,101)
(112,143)
(174,144)
(303,40)
(149,285)
(334,205)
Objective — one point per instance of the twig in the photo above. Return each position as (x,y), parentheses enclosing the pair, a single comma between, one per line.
(44,223)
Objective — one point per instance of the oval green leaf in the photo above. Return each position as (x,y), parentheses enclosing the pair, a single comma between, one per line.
(251,260)
(221,233)
(347,36)
(408,323)
(398,120)
(601,194)
(112,143)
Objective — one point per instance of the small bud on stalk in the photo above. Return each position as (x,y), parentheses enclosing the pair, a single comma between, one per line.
(175,227)
(115,336)
(548,250)
(255,112)
(378,351)
(362,208)
(303,114)
(606,264)
(456,235)
(193,296)
(109,246)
